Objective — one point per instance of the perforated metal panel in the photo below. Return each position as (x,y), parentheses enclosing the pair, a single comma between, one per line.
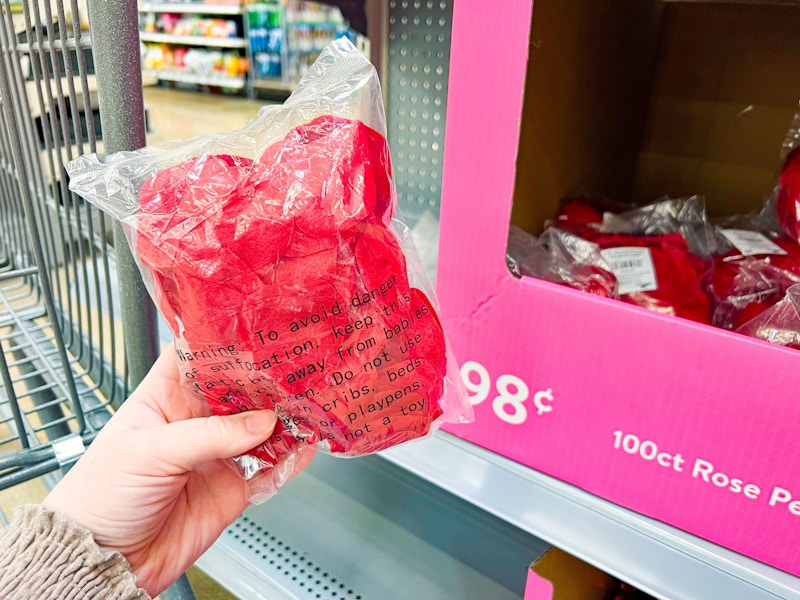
(287,567)
(419,55)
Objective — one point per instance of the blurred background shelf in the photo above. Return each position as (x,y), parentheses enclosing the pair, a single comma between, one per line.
(179,75)
(188,8)
(193,40)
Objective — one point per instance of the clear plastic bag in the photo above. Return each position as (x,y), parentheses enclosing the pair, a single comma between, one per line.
(278,258)
(787,191)
(779,324)
(755,266)
(560,257)
(686,216)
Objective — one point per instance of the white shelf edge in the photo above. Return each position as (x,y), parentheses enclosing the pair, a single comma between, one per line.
(272,85)
(193,40)
(659,559)
(202,9)
(227,82)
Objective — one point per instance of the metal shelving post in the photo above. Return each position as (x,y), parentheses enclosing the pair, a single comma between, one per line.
(123,121)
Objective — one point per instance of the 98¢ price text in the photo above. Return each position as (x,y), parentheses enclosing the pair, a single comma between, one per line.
(510,395)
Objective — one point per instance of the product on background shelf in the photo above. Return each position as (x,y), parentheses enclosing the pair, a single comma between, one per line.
(153,57)
(202,61)
(778,324)
(290,282)
(178,24)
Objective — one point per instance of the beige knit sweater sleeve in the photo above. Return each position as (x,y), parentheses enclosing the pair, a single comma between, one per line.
(47,557)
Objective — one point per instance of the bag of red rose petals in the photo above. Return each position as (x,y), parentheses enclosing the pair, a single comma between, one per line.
(278,258)
(657,272)
(751,275)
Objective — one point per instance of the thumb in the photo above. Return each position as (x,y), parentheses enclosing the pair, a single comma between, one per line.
(190,443)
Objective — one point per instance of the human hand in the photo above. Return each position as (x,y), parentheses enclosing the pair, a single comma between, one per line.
(154,486)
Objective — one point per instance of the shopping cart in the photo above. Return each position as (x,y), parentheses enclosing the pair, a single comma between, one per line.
(77,328)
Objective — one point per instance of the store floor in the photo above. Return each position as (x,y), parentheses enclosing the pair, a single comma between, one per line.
(182,114)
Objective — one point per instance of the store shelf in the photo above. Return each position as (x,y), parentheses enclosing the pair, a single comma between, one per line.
(272,86)
(360,529)
(219,80)
(659,559)
(193,40)
(200,9)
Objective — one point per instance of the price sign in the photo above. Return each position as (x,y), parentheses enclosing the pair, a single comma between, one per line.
(511,396)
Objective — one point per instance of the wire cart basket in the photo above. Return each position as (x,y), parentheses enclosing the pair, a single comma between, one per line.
(77,328)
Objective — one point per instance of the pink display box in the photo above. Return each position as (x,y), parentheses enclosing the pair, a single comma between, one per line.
(688,424)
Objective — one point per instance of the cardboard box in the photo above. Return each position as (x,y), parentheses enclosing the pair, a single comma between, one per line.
(688,424)
(557,575)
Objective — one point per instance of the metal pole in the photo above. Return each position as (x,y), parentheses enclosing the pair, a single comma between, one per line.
(115,40)
(119,85)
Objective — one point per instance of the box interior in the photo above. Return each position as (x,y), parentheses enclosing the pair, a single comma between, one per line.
(633,100)
(572,578)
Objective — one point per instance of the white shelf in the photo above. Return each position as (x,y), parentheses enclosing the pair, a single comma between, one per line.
(358,529)
(441,519)
(656,558)
(188,77)
(273,85)
(193,8)
(192,40)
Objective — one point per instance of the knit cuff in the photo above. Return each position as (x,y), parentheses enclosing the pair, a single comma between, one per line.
(45,556)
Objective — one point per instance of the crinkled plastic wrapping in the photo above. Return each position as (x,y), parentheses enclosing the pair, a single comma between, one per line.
(787,192)
(639,256)
(779,324)
(741,286)
(560,257)
(792,139)
(787,201)
(278,258)
(686,216)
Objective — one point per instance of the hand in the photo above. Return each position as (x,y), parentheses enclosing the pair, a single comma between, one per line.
(154,486)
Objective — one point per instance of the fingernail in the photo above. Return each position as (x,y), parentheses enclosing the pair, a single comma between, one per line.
(260,421)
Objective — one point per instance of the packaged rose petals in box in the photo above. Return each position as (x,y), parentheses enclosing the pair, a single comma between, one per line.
(278,258)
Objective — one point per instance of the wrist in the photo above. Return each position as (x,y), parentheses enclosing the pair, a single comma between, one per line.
(45,555)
